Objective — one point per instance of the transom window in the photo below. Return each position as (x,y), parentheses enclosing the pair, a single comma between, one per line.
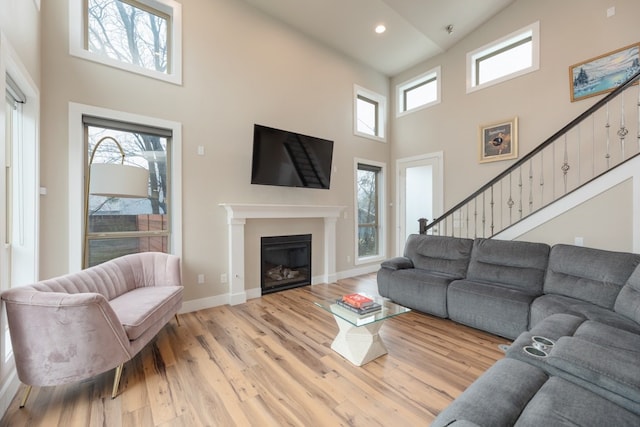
(369,114)
(137,35)
(512,56)
(418,93)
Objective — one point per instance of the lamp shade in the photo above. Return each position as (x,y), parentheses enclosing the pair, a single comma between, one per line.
(115,180)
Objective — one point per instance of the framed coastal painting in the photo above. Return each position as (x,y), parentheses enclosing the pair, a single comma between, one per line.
(499,141)
(603,73)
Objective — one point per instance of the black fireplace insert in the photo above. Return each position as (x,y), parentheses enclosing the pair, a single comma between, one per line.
(286,262)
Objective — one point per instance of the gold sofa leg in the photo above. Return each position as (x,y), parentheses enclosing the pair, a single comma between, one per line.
(116,381)
(25,396)
(177,320)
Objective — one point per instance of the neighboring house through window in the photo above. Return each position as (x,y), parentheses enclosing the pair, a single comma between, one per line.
(118,225)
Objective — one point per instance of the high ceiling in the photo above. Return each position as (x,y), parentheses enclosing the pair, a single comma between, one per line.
(416,29)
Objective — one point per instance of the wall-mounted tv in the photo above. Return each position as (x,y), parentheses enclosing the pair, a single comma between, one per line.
(290,159)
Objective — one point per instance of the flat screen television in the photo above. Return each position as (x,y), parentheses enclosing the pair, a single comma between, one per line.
(290,159)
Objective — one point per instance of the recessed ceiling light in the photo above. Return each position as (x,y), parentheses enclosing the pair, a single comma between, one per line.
(380,28)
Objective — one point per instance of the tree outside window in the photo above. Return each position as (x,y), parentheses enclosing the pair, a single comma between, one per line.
(367,187)
(120,226)
(128,32)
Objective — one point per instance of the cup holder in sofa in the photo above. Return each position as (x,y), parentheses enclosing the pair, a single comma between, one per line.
(532,351)
(540,346)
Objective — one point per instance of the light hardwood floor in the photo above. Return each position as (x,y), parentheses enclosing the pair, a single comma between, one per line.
(269,363)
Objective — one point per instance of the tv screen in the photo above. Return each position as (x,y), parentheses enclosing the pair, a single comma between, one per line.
(290,159)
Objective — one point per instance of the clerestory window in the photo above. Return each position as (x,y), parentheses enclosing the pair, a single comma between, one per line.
(504,59)
(418,93)
(143,36)
(369,114)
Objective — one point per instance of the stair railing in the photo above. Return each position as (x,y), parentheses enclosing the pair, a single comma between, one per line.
(592,144)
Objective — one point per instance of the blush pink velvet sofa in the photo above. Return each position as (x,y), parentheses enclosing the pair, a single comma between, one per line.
(77,326)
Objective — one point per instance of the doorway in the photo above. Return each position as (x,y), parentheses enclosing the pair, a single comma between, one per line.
(419,193)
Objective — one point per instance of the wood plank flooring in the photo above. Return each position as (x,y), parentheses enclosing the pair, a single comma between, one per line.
(269,363)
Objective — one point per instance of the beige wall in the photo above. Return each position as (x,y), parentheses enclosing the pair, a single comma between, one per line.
(239,68)
(571,31)
(20,24)
(594,221)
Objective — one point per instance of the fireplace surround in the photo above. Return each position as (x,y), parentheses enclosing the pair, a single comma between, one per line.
(239,213)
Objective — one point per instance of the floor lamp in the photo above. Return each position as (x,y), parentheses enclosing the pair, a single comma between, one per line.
(111,180)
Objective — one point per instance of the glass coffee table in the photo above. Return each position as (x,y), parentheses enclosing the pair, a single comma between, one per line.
(358,340)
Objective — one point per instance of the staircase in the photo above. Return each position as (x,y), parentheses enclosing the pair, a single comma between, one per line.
(577,160)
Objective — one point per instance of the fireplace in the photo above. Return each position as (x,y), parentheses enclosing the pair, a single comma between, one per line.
(285,262)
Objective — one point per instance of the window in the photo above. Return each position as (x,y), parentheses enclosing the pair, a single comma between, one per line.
(143,36)
(369,114)
(504,59)
(418,93)
(19,227)
(118,226)
(369,215)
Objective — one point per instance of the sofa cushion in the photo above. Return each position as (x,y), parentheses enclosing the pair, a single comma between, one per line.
(612,373)
(547,305)
(421,290)
(141,308)
(496,398)
(493,308)
(442,254)
(628,300)
(562,403)
(592,275)
(517,265)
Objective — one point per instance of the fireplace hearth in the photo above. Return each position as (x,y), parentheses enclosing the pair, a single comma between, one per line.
(286,262)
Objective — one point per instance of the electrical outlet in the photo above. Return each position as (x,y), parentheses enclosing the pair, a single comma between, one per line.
(223,278)
(348,258)
(200,279)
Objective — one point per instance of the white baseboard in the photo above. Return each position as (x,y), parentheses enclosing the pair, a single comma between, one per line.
(209,302)
(8,391)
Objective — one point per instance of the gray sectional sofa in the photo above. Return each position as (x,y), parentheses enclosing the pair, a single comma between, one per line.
(573,313)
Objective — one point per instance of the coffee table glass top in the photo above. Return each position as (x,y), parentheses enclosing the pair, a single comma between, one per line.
(388,309)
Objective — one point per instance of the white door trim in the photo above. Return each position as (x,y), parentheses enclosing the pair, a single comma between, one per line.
(435,159)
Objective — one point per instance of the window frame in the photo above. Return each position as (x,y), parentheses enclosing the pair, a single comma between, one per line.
(501,45)
(77,160)
(19,257)
(78,22)
(381,113)
(381,217)
(402,88)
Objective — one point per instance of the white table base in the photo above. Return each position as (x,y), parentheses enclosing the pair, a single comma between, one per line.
(358,344)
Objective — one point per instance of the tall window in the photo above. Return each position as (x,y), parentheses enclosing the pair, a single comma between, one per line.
(19,195)
(369,203)
(137,35)
(119,226)
(369,114)
(418,93)
(511,56)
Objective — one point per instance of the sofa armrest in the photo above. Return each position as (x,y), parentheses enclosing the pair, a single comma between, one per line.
(397,263)
(60,338)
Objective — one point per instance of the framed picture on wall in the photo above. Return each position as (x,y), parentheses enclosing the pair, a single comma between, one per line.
(499,141)
(603,73)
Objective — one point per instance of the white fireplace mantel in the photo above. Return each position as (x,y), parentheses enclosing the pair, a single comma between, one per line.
(239,213)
